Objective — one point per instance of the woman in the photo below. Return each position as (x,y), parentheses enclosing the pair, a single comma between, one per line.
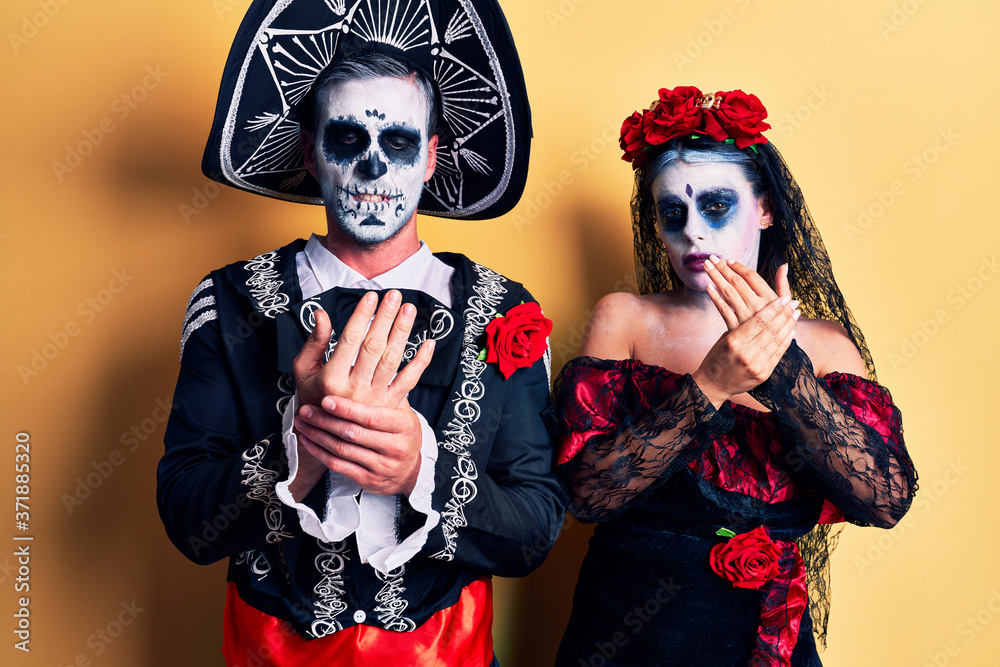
(713,432)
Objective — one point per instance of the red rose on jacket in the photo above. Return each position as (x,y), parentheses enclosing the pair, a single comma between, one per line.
(749,560)
(739,116)
(518,339)
(674,114)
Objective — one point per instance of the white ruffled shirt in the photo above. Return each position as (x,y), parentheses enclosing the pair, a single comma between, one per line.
(349,510)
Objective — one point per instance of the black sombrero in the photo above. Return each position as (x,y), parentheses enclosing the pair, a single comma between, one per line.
(464,46)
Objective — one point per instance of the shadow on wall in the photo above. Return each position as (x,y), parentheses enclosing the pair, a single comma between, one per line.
(602,239)
(545,598)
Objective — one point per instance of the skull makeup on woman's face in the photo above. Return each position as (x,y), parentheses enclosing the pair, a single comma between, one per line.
(371,154)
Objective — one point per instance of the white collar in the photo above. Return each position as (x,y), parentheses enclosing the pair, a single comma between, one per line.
(421,271)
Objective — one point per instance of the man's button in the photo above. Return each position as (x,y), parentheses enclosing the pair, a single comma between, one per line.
(359,616)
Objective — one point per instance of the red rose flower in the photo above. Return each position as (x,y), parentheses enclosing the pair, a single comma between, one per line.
(518,339)
(675,113)
(633,141)
(739,116)
(748,560)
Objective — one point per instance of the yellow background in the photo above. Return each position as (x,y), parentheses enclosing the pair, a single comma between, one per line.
(856,90)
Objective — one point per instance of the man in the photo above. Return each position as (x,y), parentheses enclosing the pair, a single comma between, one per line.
(363,507)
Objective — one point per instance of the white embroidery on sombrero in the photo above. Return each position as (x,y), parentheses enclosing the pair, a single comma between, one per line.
(262,121)
(280,152)
(294,58)
(338,7)
(405,30)
(292,181)
(458,27)
(475,160)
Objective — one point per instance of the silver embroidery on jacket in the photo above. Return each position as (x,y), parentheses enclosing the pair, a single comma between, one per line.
(329,590)
(265,285)
(196,315)
(391,604)
(459,434)
(261,481)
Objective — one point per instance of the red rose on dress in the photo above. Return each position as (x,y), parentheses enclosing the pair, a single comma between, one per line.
(633,141)
(739,116)
(518,339)
(749,560)
(675,113)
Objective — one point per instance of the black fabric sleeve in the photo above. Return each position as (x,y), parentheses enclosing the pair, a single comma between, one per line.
(215,484)
(625,428)
(862,468)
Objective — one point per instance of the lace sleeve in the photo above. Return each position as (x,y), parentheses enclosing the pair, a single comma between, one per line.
(849,437)
(625,428)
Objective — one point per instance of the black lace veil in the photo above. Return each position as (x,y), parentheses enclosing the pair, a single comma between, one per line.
(792,238)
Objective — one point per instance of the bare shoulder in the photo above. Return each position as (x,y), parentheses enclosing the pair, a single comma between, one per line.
(829,347)
(614,323)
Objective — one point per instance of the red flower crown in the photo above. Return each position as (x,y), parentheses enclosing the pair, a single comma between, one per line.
(733,117)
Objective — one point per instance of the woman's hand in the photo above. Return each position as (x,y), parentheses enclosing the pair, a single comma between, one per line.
(739,292)
(745,355)
(761,326)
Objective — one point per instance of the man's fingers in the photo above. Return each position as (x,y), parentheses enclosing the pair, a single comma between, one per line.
(395,347)
(309,360)
(353,335)
(338,464)
(331,440)
(356,422)
(408,378)
(376,340)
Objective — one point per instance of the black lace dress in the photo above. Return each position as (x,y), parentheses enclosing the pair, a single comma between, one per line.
(669,477)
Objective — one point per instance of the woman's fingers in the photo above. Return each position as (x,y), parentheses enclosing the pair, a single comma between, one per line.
(773,337)
(728,291)
(732,321)
(739,283)
(762,291)
(747,355)
(762,321)
(784,338)
(781,281)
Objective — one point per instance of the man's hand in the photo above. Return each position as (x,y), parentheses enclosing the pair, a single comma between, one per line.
(353,415)
(379,448)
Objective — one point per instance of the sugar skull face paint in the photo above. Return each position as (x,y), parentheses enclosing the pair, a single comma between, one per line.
(371,155)
(707,209)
